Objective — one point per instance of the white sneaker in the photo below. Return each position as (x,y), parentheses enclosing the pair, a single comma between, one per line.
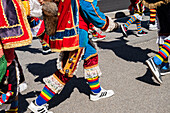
(22,87)
(155,69)
(153,27)
(165,71)
(39,109)
(46,50)
(102,94)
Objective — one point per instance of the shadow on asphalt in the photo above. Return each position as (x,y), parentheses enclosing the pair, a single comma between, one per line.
(23,104)
(125,51)
(28,49)
(45,70)
(147,78)
(130,54)
(79,83)
(42,70)
(144,24)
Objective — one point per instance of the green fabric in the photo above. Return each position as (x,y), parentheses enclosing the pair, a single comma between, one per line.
(3,67)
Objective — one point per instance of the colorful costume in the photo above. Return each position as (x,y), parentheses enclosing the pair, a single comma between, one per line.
(71,40)
(96,35)
(159,63)
(36,24)
(14,32)
(153,25)
(137,16)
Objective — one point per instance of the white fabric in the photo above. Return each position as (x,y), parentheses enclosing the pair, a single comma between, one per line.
(160,39)
(35,29)
(35,8)
(5,107)
(53,84)
(139,17)
(92,72)
(111,26)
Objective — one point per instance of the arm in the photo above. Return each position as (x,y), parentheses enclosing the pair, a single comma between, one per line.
(91,11)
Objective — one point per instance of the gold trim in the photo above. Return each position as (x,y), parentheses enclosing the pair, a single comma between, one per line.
(55,76)
(64,49)
(27,27)
(91,66)
(17,44)
(75,60)
(4,38)
(24,42)
(4,14)
(0,45)
(89,0)
(91,56)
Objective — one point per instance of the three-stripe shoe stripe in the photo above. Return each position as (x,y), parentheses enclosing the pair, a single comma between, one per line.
(123,30)
(154,70)
(42,110)
(103,94)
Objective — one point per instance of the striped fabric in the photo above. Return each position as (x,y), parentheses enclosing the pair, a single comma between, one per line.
(165,63)
(94,84)
(130,21)
(45,95)
(152,16)
(43,43)
(163,53)
(138,23)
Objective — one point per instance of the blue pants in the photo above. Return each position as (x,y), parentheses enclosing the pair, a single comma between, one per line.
(84,42)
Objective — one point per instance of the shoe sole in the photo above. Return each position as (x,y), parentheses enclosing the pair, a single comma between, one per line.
(46,52)
(166,73)
(153,70)
(123,31)
(94,40)
(31,108)
(152,29)
(23,88)
(102,97)
(141,35)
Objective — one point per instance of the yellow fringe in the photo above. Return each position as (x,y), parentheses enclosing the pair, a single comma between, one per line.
(154,5)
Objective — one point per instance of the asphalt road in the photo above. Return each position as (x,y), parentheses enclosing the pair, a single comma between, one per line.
(122,62)
(113,5)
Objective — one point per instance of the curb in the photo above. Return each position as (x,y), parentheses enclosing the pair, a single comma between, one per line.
(118,14)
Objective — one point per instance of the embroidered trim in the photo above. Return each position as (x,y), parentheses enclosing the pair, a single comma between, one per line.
(89,0)
(64,49)
(91,56)
(27,27)
(71,65)
(17,44)
(92,72)
(96,12)
(4,15)
(111,25)
(54,83)
(3,38)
